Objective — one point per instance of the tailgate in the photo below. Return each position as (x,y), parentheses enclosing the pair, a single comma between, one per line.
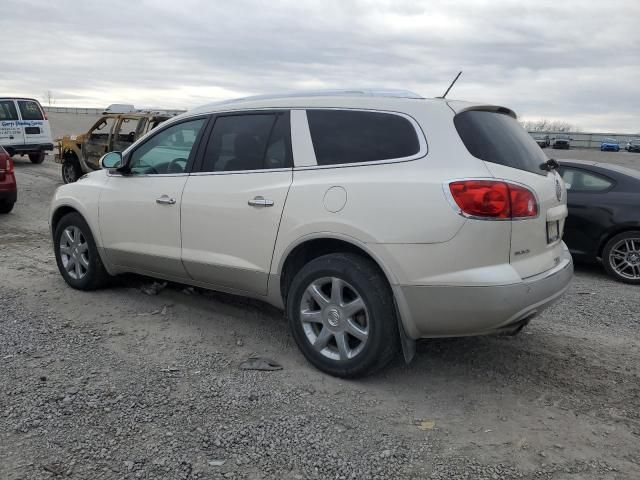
(536,243)
(493,135)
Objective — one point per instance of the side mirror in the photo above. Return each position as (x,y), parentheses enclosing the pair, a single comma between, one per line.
(111,160)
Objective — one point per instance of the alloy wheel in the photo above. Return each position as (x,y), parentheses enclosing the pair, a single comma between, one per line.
(624,258)
(334,318)
(74,252)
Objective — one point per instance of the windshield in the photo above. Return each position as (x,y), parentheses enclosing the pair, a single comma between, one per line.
(562,136)
(610,140)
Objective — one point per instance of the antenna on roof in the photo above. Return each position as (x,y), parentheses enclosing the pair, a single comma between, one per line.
(454,81)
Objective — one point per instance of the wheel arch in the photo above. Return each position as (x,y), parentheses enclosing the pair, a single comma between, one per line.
(612,232)
(60,212)
(63,209)
(313,246)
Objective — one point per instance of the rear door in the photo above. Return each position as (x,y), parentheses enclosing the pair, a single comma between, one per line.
(34,123)
(509,152)
(231,208)
(125,132)
(11,132)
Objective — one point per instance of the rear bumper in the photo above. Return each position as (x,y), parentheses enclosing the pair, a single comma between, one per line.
(448,311)
(30,148)
(9,196)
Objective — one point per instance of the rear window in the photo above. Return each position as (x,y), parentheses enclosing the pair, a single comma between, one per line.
(30,110)
(499,138)
(8,110)
(347,136)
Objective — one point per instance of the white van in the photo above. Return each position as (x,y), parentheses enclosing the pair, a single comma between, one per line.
(24,128)
(119,108)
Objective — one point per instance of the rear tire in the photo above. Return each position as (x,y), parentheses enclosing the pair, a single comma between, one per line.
(6,207)
(77,255)
(71,170)
(342,315)
(37,157)
(621,257)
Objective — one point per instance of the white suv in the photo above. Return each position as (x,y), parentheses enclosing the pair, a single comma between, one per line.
(374,218)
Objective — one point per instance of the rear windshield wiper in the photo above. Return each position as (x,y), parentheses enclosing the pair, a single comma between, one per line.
(549,165)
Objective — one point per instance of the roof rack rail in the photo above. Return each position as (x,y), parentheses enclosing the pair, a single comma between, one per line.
(347,92)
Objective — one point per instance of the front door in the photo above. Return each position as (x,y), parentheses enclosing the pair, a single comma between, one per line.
(98,141)
(140,211)
(231,207)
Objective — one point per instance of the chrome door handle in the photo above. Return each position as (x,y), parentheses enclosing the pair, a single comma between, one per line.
(260,202)
(165,200)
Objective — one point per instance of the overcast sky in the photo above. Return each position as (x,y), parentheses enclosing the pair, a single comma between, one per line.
(577,61)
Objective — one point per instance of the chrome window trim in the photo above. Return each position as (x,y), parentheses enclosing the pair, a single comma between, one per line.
(241,172)
(422,141)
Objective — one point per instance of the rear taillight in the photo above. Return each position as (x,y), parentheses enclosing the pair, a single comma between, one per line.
(4,165)
(523,202)
(493,199)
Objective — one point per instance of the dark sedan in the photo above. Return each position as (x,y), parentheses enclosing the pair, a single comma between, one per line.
(633,146)
(604,216)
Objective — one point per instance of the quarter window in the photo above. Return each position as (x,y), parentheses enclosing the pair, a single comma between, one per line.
(168,151)
(578,180)
(248,142)
(30,110)
(349,136)
(8,110)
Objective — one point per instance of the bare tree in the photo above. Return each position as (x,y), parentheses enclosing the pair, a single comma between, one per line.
(544,125)
(48,97)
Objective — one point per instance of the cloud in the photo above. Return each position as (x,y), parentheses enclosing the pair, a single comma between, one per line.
(574,61)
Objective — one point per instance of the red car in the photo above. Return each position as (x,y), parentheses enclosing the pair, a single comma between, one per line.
(8,189)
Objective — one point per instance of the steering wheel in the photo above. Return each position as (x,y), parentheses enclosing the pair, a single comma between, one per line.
(175,167)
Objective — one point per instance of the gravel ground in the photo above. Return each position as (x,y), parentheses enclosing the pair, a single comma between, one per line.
(119,384)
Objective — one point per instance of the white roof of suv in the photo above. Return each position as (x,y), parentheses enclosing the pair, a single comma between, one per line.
(293,98)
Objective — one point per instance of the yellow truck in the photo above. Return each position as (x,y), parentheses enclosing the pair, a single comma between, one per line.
(80,154)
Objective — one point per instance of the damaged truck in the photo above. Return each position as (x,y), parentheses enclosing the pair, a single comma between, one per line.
(80,154)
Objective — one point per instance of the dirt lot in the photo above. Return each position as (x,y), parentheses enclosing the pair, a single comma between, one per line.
(119,384)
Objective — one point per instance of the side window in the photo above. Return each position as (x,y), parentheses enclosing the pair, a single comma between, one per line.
(346,136)
(578,180)
(248,142)
(127,130)
(8,110)
(30,110)
(167,151)
(102,129)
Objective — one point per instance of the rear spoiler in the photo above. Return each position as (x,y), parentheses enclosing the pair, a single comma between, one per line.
(458,107)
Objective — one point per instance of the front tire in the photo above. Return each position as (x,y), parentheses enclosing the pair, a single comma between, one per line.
(77,255)
(37,157)
(342,315)
(621,257)
(71,170)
